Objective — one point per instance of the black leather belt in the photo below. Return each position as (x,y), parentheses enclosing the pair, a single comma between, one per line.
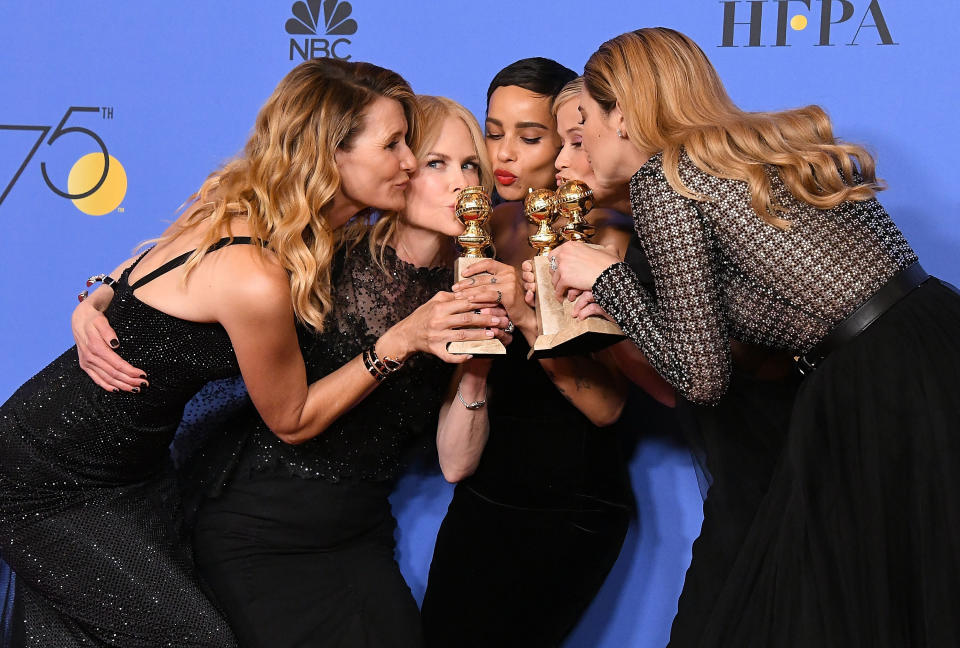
(857,322)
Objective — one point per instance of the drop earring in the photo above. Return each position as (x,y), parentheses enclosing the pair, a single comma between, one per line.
(619,134)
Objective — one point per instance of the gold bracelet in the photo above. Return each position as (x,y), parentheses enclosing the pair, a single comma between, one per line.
(371,366)
(378,368)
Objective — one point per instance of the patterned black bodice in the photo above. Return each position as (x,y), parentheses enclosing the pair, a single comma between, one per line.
(721,272)
(369,442)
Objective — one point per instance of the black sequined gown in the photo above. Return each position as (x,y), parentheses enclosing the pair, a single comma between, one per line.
(296,541)
(855,542)
(86,514)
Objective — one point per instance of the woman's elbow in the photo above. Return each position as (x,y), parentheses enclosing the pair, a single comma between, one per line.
(608,414)
(455,474)
(289,433)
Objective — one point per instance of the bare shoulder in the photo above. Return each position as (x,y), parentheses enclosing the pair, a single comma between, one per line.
(249,277)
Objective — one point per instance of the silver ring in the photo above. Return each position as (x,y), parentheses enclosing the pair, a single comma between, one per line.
(553,264)
(510,327)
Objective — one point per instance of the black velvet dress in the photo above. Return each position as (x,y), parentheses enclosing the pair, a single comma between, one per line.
(86,515)
(528,539)
(854,543)
(297,541)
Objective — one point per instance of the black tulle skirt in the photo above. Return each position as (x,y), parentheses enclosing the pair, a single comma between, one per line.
(857,542)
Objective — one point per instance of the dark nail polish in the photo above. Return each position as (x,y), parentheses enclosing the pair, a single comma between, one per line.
(143,385)
(135,390)
(114,343)
(144,376)
(116,390)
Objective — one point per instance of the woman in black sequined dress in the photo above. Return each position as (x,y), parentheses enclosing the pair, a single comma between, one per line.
(296,540)
(85,512)
(764,228)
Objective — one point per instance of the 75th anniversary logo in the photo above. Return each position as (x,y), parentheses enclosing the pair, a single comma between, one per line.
(97,182)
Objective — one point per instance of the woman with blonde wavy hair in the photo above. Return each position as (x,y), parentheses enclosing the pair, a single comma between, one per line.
(85,515)
(762,227)
(294,537)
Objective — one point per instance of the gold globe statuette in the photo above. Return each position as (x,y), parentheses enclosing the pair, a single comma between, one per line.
(574,199)
(472,210)
(560,333)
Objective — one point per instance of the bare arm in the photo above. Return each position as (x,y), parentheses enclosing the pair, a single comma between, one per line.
(593,384)
(249,296)
(462,433)
(96,340)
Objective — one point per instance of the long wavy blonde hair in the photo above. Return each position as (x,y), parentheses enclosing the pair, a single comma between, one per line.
(285,180)
(672,98)
(433,112)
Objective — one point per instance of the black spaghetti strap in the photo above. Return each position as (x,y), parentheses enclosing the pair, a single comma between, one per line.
(180,260)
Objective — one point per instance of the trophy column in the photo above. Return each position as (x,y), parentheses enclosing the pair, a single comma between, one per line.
(560,332)
(540,208)
(473,209)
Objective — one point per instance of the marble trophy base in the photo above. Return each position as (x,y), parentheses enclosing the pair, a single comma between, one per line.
(491,347)
(562,334)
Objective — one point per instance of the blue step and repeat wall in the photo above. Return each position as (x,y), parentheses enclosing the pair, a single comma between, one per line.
(168,90)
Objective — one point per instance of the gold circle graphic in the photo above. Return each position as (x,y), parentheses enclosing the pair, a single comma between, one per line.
(798,22)
(85,173)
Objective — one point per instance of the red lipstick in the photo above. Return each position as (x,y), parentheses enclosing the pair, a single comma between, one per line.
(504,177)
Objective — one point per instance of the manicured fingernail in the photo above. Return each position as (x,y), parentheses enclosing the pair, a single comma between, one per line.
(489,333)
(135,390)
(114,343)
(143,385)
(494,320)
(116,390)
(144,376)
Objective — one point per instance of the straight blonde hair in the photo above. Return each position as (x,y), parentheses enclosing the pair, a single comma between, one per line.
(672,98)
(433,112)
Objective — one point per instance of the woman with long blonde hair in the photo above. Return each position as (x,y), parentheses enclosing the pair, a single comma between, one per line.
(85,515)
(764,228)
(296,540)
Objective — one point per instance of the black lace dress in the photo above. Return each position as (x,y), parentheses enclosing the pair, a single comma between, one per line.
(855,542)
(296,541)
(86,515)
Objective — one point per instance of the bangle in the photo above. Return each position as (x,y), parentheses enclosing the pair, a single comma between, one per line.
(475,405)
(378,368)
(105,279)
(371,366)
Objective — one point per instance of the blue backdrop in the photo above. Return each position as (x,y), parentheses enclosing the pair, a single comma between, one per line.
(169,90)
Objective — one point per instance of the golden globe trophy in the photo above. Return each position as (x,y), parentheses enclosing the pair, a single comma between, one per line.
(473,209)
(560,333)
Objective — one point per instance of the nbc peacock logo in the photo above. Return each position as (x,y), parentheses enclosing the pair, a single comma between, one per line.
(313,17)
